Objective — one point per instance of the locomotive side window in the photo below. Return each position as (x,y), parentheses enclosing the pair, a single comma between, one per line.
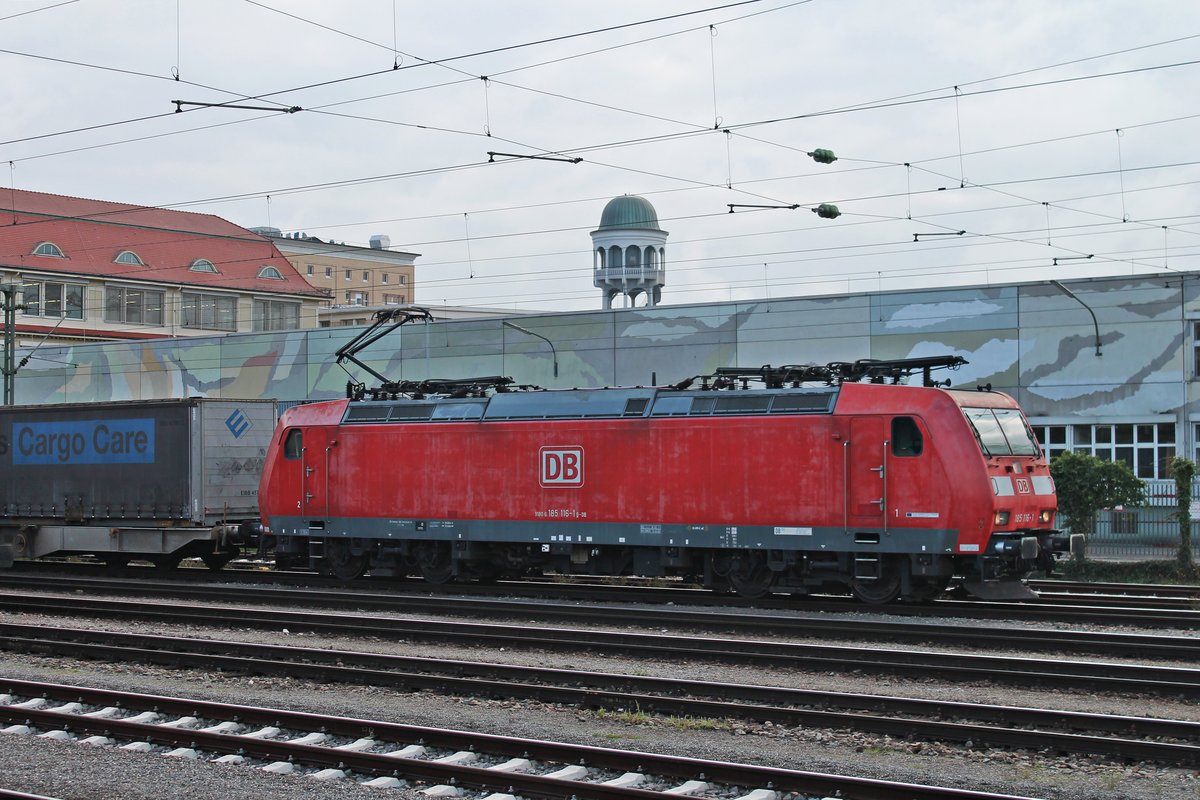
(672,406)
(293,445)
(906,437)
(743,404)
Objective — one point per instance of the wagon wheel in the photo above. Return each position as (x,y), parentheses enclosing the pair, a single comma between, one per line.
(167,562)
(434,562)
(877,591)
(115,563)
(750,576)
(216,561)
(341,564)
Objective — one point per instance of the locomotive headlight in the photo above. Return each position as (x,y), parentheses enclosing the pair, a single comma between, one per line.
(1046,516)
(1001,519)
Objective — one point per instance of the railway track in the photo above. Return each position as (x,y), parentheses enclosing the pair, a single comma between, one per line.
(389,754)
(1182,681)
(1109,643)
(1165,741)
(1064,602)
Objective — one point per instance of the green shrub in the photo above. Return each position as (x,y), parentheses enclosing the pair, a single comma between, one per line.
(1085,484)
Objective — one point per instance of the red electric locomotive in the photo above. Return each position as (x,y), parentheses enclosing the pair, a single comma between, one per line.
(889,491)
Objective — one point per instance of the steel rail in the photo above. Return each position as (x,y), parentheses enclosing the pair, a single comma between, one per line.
(1062,673)
(1119,590)
(610,691)
(525,784)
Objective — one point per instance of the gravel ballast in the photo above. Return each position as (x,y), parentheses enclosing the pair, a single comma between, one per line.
(74,771)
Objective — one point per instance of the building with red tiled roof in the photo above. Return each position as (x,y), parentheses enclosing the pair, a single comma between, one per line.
(96,270)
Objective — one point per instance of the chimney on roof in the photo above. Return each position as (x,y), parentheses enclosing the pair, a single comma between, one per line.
(381,241)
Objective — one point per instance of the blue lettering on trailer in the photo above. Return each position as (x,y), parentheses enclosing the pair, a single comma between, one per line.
(91,441)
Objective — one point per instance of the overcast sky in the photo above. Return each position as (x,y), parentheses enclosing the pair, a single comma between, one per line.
(1041,130)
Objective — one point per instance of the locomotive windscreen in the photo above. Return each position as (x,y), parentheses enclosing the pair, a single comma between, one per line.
(1002,432)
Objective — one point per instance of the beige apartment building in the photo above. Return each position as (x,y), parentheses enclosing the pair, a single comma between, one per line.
(358,280)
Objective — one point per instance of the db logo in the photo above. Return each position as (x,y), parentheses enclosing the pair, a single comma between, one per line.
(1023,486)
(562,466)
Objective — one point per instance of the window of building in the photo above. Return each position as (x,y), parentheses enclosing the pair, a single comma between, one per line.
(356,298)
(276,315)
(348,274)
(211,311)
(1196,350)
(129,257)
(52,299)
(310,270)
(1147,447)
(267,271)
(385,278)
(401,279)
(1196,452)
(49,249)
(366,277)
(203,265)
(132,305)
(329,272)
(393,299)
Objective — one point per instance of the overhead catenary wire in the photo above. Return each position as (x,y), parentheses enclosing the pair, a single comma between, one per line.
(741,182)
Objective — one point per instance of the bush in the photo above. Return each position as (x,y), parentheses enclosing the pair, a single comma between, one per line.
(1086,484)
(1184,470)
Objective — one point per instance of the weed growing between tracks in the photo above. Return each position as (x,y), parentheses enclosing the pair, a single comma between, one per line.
(679,723)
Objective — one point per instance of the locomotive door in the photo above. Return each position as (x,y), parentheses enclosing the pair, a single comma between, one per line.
(315,472)
(867,473)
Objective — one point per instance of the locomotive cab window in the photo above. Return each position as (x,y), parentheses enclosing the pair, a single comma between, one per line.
(1002,432)
(293,445)
(907,439)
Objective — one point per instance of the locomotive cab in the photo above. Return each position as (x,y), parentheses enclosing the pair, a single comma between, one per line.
(1021,533)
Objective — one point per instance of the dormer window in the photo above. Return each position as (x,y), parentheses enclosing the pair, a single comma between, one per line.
(202,265)
(128,257)
(49,249)
(268,271)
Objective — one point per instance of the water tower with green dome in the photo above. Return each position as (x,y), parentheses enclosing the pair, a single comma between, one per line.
(629,253)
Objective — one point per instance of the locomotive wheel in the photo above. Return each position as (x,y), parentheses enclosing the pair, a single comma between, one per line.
(925,590)
(877,591)
(341,564)
(750,576)
(434,562)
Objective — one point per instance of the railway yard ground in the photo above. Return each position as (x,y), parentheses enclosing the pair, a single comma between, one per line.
(70,770)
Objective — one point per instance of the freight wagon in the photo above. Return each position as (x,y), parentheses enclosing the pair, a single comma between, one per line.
(156,480)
